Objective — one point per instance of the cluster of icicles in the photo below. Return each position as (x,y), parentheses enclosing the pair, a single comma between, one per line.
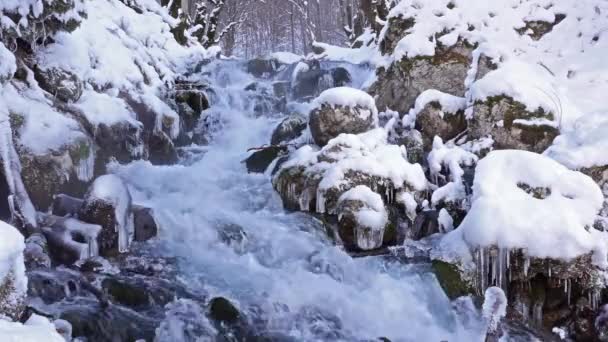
(493,269)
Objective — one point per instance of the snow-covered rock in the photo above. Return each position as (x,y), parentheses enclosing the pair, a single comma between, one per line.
(341,110)
(525,200)
(314,180)
(13,283)
(362,218)
(108,204)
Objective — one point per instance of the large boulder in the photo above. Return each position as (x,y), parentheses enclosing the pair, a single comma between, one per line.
(439,114)
(512,125)
(341,110)
(398,86)
(108,204)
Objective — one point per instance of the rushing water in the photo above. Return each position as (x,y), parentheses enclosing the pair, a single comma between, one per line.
(281,263)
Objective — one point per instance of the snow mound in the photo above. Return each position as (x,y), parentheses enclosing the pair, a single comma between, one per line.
(494,307)
(36,329)
(373,214)
(101,108)
(449,103)
(348,97)
(528,201)
(583,146)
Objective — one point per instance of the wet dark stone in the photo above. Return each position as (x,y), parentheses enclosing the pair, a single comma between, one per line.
(145,224)
(222,310)
(64,205)
(341,77)
(125,293)
(259,161)
(262,67)
(425,224)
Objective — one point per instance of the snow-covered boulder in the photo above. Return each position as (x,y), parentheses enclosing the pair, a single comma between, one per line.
(314,180)
(36,253)
(517,106)
(531,222)
(439,114)
(341,110)
(108,204)
(13,283)
(525,200)
(362,219)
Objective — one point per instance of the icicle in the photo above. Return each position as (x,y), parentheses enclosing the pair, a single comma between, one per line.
(320,201)
(549,271)
(526,265)
(537,314)
(569,290)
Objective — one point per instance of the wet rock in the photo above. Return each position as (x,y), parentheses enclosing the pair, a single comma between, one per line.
(91,321)
(433,121)
(146,226)
(125,293)
(161,149)
(260,160)
(108,204)
(414,145)
(341,77)
(398,86)
(262,67)
(62,84)
(122,141)
(222,310)
(327,122)
(311,83)
(425,224)
(233,235)
(505,120)
(36,254)
(64,205)
(69,239)
(289,129)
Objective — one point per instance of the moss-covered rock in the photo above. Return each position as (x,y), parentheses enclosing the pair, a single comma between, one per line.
(398,86)
(511,125)
(451,280)
(327,122)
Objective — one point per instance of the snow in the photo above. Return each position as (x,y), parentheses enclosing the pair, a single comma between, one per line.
(446,222)
(101,108)
(8,65)
(299,68)
(373,215)
(505,216)
(584,145)
(451,157)
(526,83)
(45,129)
(285,57)
(36,329)
(112,189)
(348,97)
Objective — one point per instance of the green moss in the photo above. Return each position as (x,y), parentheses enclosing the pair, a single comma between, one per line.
(450,279)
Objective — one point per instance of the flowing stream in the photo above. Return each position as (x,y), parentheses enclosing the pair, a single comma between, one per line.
(232,238)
